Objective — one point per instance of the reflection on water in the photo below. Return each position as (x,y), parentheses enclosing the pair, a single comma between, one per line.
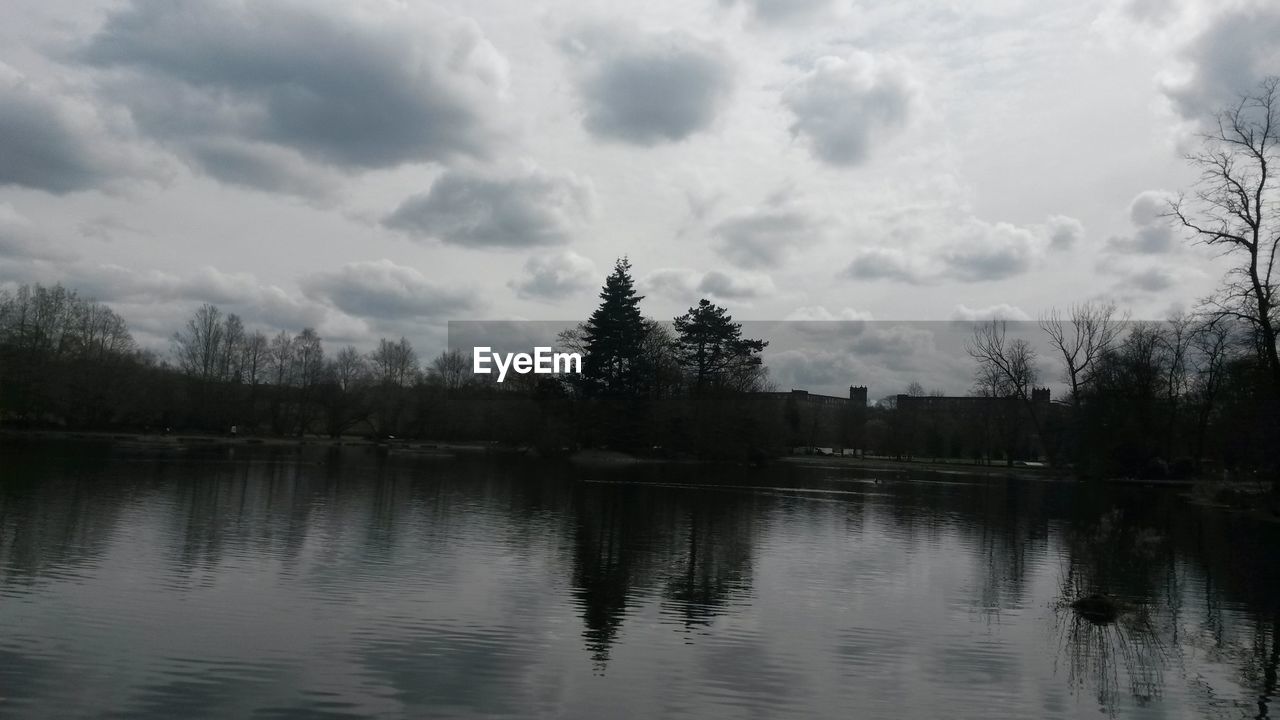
(320,582)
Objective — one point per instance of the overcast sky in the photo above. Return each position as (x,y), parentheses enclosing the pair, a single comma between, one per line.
(377,168)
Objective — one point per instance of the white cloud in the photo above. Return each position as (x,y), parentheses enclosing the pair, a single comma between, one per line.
(1003,311)
(819,313)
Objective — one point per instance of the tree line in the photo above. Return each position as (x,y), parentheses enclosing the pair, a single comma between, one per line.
(69,362)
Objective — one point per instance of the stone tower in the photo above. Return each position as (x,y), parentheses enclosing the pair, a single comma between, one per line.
(858,395)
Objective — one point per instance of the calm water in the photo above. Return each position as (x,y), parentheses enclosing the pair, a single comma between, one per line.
(309,583)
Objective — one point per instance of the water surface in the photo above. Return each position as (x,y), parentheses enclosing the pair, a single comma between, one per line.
(310,582)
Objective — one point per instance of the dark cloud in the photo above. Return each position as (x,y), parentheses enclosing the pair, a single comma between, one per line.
(354,88)
(783,12)
(723,285)
(883,264)
(261,166)
(1236,49)
(991,252)
(1153,233)
(554,277)
(688,286)
(383,290)
(843,105)
(1153,279)
(766,236)
(53,143)
(647,89)
(531,208)
(899,341)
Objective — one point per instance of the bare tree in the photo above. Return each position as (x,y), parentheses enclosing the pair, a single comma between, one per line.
(309,358)
(1234,208)
(198,346)
(280,356)
(255,354)
(1212,342)
(1088,332)
(1176,342)
(348,368)
(231,352)
(395,363)
(451,368)
(1007,364)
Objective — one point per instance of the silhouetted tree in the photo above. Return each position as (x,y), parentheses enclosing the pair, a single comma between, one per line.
(1234,208)
(713,352)
(614,338)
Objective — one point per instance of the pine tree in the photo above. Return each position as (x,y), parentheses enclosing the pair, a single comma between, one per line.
(712,350)
(614,337)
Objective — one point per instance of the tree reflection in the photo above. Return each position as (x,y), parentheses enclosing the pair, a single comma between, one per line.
(603,561)
(715,563)
(694,546)
(1104,655)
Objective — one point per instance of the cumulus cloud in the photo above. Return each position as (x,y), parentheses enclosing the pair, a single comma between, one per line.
(1064,232)
(688,285)
(843,105)
(54,142)
(964,249)
(554,277)
(985,251)
(383,290)
(1235,50)
(348,86)
(529,208)
(1153,234)
(1002,311)
(885,264)
(648,88)
(765,236)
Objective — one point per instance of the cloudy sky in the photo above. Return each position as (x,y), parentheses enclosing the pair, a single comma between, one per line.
(377,168)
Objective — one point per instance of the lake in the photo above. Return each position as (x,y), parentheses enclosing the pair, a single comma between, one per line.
(321,582)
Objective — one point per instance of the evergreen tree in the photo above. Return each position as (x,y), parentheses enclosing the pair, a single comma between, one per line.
(614,338)
(712,350)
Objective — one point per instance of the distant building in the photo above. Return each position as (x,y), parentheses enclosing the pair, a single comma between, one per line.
(813,420)
(975,428)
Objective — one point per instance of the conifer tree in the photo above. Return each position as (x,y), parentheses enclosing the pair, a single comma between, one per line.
(614,337)
(712,350)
